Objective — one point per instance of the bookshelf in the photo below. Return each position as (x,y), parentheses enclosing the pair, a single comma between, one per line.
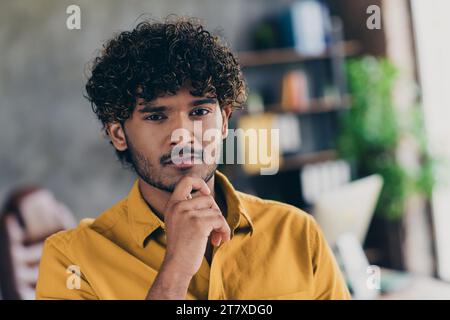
(317,113)
(252,59)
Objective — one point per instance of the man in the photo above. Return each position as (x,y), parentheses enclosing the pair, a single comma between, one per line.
(183,231)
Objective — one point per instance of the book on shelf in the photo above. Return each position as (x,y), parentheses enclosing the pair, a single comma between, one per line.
(295,94)
(290,133)
(323,177)
(304,26)
(267,149)
(258,146)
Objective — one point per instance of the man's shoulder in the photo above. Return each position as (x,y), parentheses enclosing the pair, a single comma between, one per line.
(262,210)
(63,240)
(272,218)
(110,217)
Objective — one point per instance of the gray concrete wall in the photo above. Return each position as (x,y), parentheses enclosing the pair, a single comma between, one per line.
(48,133)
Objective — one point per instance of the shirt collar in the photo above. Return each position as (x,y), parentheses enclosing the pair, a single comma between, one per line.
(143,221)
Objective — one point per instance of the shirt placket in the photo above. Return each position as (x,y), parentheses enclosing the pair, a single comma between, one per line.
(215,290)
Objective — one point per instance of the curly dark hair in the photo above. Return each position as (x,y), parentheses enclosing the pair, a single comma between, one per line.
(158,58)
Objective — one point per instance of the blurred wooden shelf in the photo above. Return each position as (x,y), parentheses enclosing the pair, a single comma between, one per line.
(321,105)
(297,161)
(289,55)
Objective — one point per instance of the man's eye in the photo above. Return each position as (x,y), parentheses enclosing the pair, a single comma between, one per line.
(154,117)
(200,112)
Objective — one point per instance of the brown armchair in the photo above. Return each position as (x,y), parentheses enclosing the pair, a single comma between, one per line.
(28,217)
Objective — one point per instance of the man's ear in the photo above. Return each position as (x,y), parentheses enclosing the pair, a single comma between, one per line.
(117,135)
(226,114)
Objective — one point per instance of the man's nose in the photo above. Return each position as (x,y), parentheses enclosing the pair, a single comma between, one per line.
(182,131)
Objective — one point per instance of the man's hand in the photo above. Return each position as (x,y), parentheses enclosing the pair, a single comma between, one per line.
(189,221)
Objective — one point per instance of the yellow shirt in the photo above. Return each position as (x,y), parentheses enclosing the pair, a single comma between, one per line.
(276,251)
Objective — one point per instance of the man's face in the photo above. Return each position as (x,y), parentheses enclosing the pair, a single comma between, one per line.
(167,123)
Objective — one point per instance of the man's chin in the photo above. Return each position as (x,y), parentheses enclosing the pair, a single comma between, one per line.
(199,170)
(184,169)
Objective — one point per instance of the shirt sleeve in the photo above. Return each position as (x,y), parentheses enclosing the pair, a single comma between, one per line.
(60,278)
(329,282)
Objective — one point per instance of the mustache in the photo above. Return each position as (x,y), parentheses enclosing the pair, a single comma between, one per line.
(194,153)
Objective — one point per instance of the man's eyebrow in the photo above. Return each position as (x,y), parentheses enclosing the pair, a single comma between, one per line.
(150,108)
(203,101)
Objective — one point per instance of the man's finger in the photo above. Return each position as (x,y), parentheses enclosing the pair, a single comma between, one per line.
(209,212)
(220,226)
(186,185)
(216,238)
(198,203)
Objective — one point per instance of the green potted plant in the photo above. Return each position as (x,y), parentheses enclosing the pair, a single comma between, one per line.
(370,134)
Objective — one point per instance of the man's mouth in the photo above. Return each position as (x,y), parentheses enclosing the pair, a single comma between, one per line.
(184,161)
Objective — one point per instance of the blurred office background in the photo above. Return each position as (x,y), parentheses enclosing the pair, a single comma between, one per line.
(357,88)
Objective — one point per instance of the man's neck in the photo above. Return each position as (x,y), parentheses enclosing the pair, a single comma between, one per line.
(157,199)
